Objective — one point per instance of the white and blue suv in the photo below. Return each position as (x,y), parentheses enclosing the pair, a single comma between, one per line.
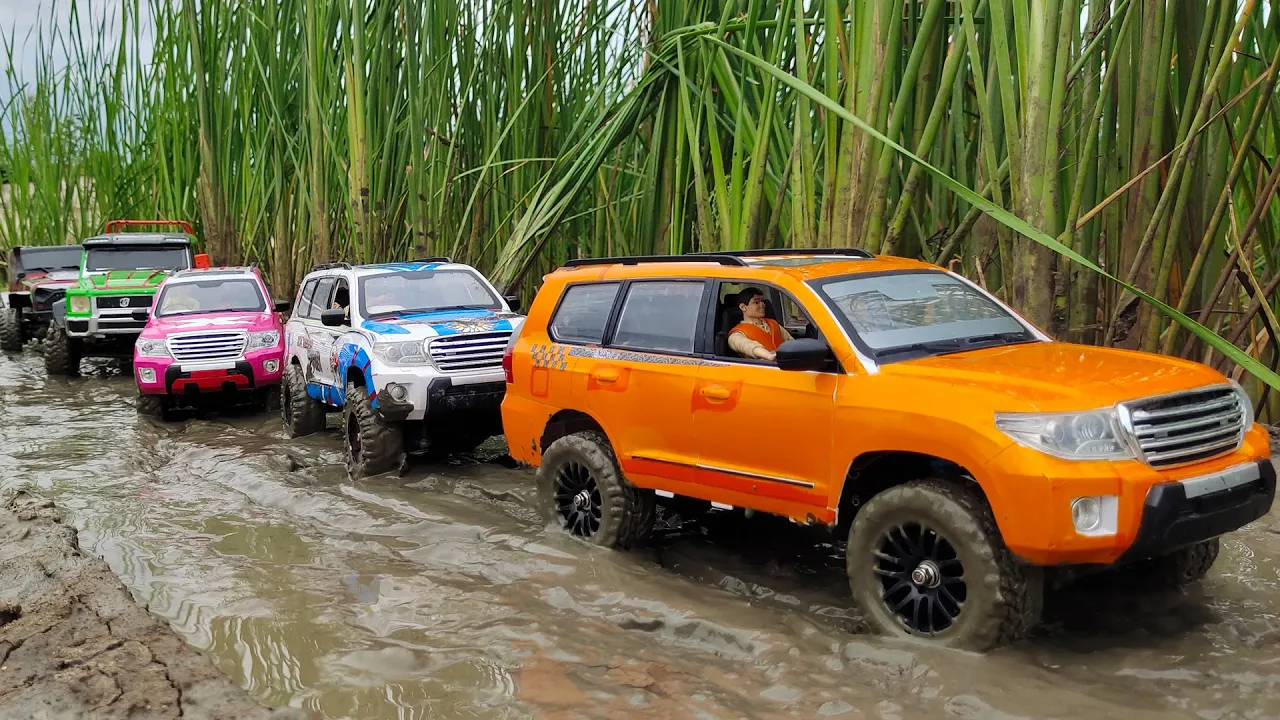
(410,353)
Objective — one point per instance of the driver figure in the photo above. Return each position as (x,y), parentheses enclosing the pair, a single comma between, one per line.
(757,336)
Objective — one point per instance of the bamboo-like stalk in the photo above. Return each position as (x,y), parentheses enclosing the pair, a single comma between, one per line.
(517,135)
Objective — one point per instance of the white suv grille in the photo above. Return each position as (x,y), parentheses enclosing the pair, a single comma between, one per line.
(1188,426)
(207,347)
(471,352)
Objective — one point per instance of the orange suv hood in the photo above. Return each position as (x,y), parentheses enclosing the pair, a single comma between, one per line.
(1056,376)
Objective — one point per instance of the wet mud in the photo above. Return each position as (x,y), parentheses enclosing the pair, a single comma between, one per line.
(441,594)
(73,643)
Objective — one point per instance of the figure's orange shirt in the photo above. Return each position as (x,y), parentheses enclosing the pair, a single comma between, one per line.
(770,338)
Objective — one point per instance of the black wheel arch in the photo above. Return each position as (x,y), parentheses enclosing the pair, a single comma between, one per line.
(872,473)
(355,377)
(567,422)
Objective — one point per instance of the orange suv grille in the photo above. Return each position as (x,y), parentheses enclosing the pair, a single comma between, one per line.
(1187,427)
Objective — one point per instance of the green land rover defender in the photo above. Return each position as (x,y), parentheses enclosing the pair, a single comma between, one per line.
(119,274)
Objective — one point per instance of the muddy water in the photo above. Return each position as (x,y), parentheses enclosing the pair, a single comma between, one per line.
(441,595)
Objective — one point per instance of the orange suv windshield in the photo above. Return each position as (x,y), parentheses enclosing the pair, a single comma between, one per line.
(896,316)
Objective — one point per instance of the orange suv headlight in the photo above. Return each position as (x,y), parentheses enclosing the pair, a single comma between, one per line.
(1094,435)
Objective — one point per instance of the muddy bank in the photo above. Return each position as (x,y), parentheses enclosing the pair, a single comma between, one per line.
(73,643)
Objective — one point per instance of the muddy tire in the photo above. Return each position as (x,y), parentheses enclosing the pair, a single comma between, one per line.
(61,353)
(300,414)
(11,336)
(1179,568)
(152,405)
(267,399)
(374,446)
(926,560)
(581,489)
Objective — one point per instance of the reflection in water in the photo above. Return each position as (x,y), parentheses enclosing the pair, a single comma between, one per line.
(440,595)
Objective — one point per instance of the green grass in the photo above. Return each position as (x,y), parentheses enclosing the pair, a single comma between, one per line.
(1033,144)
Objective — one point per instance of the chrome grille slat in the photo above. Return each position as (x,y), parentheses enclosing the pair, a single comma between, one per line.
(1226,402)
(469,353)
(208,347)
(1219,432)
(1169,458)
(1186,427)
(1143,430)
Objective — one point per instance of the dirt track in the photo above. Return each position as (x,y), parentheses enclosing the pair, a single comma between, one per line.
(73,643)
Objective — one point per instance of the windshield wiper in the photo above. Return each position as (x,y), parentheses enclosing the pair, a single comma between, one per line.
(937,347)
(1008,337)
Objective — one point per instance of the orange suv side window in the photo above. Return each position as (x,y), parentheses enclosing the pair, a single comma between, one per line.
(660,316)
(583,314)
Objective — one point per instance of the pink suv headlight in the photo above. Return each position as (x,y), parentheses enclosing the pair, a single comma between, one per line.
(149,347)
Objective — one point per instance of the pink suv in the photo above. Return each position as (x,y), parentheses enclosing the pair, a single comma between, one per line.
(209,331)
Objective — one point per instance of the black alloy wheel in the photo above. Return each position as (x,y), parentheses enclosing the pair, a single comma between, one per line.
(577,497)
(921,577)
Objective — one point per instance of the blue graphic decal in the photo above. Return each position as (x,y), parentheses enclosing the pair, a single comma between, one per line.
(383,328)
(405,267)
(324,393)
(351,355)
(462,326)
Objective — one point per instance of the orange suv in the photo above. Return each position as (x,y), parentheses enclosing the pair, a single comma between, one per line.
(961,450)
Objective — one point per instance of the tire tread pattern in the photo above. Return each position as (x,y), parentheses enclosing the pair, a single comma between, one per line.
(381,443)
(629,512)
(61,352)
(1184,566)
(1019,601)
(308,415)
(11,337)
(152,405)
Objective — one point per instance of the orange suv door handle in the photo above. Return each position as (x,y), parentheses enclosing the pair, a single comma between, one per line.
(714,392)
(605,376)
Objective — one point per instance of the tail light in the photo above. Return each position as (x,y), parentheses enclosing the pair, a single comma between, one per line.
(507,356)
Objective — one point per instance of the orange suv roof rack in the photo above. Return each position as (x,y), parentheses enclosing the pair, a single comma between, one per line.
(718,258)
(116,226)
(722,257)
(786,252)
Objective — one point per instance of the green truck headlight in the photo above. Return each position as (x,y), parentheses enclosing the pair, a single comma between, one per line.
(78,304)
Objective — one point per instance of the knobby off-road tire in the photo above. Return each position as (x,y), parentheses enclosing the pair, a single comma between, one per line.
(1179,568)
(152,405)
(374,445)
(11,336)
(267,399)
(1000,598)
(581,489)
(299,413)
(61,353)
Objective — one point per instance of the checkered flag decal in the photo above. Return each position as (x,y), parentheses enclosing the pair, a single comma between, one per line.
(550,356)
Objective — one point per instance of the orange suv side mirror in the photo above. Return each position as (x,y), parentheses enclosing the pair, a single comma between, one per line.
(202,261)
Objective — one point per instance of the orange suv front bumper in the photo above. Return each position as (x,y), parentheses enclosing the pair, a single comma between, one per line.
(1158,510)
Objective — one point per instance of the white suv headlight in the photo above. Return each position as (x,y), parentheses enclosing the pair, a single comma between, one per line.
(400,353)
(1092,435)
(150,347)
(262,340)
(78,304)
